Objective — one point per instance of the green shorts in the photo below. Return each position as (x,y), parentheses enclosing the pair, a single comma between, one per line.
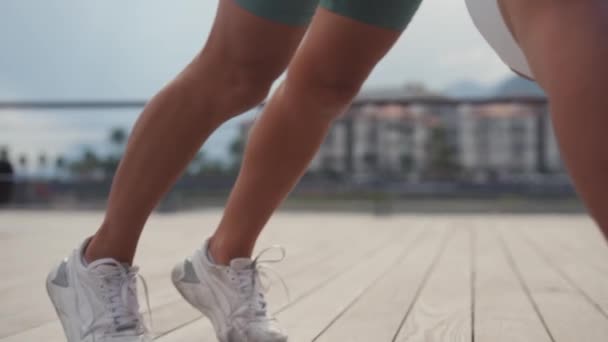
(390,14)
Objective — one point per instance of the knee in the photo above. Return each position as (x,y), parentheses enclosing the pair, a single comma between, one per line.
(244,87)
(230,87)
(325,95)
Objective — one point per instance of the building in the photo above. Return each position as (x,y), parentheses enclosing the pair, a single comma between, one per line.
(506,139)
(413,134)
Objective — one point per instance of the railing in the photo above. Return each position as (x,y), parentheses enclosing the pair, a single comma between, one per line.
(190,189)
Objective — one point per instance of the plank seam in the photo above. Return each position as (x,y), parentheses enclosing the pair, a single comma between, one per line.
(422,284)
(576,253)
(319,285)
(328,280)
(473,263)
(167,332)
(398,259)
(526,289)
(543,256)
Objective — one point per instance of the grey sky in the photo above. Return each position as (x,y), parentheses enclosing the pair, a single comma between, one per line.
(74,49)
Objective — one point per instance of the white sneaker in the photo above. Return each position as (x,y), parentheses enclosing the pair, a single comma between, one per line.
(97,302)
(230,296)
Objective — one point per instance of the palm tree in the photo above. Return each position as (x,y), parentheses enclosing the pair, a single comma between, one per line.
(60,163)
(118,137)
(60,166)
(42,164)
(90,161)
(6,177)
(236,149)
(23,163)
(4,153)
(23,160)
(87,165)
(197,162)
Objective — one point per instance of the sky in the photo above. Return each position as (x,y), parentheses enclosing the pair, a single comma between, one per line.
(116,49)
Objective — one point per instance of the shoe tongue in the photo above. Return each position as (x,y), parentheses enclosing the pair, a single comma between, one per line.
(241,264)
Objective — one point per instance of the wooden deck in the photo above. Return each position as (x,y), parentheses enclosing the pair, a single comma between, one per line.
(352,277)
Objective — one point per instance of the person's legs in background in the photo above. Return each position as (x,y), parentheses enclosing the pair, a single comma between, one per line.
(326,73)
(234,72)
(94,290)
(566,44)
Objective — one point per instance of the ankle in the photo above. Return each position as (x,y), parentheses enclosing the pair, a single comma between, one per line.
(103,245)
(92,252)
(222,253)
(214,254)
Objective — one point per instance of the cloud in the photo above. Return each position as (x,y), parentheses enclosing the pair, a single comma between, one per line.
(98,49)
(116,49)
(441,46)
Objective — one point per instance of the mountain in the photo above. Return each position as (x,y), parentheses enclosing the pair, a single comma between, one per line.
(467,88)
(518,86)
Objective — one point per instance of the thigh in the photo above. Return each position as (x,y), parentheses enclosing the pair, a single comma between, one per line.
(245,37)
(339,50)
(560,38)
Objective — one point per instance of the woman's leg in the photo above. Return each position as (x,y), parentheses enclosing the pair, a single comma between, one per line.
(243,56)
(566,43)
(327,71)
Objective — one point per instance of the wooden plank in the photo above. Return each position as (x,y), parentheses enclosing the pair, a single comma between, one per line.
(326,270)
(170,317)
(567,315)
(363,243)
(592,285)
(579,239)
(35,311)
(308,318)
(556,268)
(379,312)
(442,312)
(503,312)
(32,251)
(169,309)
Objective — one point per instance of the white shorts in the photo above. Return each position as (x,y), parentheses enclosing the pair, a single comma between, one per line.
(488,18)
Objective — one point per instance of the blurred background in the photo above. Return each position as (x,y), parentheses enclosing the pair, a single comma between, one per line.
(441,125)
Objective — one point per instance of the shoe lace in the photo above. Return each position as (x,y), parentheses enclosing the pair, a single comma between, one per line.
(253,288)
(118,288)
